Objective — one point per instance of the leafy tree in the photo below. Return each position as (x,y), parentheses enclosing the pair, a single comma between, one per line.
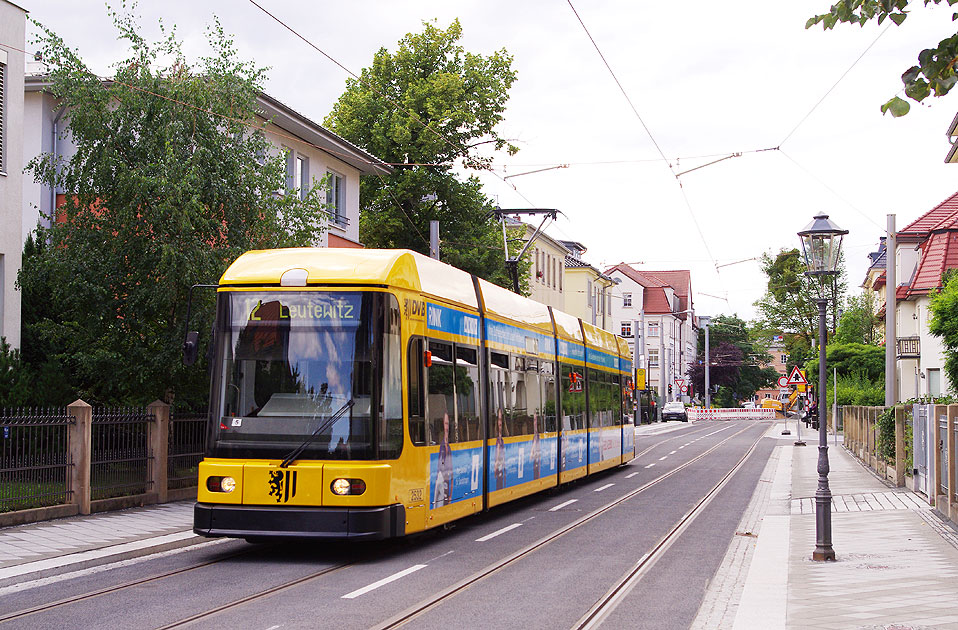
(15,378)
(169,183)
(944,323)
(858,323)
(935,72)
(737,362)
(850,359)
(427,108)
(790,302)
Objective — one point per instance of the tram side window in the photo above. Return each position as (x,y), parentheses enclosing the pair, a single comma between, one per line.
(520,411)
(467,392)
(500,394)
(594,417)
(417,415)
(548,379)
(616,391)
(441,396)
(390,438)
(535,412)
(573,397)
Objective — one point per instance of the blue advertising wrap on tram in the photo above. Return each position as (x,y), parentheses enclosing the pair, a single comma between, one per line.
(451,321)
(453,475)
(515,463)
(574,450)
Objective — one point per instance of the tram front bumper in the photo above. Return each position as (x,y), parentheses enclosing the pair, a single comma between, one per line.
(263,521)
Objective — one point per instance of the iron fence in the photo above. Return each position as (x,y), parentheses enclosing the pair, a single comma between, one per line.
(121,461)
(35,462)
(187,444)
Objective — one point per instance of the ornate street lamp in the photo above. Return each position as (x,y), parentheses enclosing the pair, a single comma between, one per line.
(821,246)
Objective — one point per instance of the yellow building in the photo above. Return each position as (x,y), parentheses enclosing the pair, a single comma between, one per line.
(588,292)
(546,275)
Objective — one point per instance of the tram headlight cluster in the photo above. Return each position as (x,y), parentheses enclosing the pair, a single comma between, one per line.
(345,487)
(220,484)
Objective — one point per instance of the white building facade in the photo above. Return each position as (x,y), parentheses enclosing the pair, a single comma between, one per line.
(12,34)
(314,156)
(655,309)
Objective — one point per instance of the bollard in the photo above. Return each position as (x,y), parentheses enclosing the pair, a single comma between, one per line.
(80,436)
(159,440)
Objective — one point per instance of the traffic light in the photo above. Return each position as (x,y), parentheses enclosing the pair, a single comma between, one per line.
(670,389)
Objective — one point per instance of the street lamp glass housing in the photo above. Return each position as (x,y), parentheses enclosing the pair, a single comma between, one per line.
(821,245)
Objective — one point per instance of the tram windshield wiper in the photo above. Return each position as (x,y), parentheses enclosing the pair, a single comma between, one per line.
(309,438)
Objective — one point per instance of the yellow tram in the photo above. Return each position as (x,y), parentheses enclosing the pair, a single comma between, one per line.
(366,394)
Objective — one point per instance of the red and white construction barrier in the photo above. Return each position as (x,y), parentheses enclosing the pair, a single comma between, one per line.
(731,414)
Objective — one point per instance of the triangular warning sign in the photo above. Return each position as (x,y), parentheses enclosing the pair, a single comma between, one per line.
(680,382)
(796,377)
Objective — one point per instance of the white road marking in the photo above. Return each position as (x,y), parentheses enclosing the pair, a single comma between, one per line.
(22,586)
(651,465)
(496,533)
(383,582)
(562,505)
(605,487)
(93,554)
(673,452)
(683,446)
(630,475)
(663,457)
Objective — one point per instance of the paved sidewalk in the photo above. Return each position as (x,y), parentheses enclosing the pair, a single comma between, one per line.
(42,549)
(897,561)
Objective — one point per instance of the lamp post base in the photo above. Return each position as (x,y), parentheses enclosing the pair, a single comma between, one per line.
(823,555)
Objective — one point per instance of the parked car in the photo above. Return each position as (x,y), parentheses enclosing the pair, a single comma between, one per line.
(675,410)
(748,404)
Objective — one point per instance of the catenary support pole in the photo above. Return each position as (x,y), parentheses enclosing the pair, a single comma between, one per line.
(891,307)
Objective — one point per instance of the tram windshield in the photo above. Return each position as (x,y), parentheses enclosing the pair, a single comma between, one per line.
(289,361)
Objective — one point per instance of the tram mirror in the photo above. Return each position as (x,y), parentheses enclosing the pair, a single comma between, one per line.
(191,347)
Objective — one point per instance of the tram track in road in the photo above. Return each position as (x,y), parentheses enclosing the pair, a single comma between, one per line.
(602,608)
(605,604)
(668,439)
(26,612)
(256,596)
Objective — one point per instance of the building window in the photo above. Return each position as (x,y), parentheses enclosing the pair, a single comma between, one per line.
(336,197)
(783,359)
(653,329)
(653,357)
(538,267)
(626,329)
(561,272)
(301,176)
(626,299)
(588,291)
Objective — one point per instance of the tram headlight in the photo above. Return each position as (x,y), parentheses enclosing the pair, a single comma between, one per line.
(344,487)
(221,484)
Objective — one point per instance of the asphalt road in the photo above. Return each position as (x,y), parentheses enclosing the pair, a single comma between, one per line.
(557,573)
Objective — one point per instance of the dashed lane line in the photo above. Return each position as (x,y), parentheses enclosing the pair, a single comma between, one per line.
(498,532)
(384,581)
(562,505)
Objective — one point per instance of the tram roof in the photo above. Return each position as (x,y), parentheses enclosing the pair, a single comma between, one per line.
(505,304)
(401,268)
(600,339)
(567,326)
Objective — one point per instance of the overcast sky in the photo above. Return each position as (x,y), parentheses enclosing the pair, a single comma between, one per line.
(708,79)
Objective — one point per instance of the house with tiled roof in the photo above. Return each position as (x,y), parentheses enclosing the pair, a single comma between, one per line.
(654,312)
(315,156)
(924,250)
